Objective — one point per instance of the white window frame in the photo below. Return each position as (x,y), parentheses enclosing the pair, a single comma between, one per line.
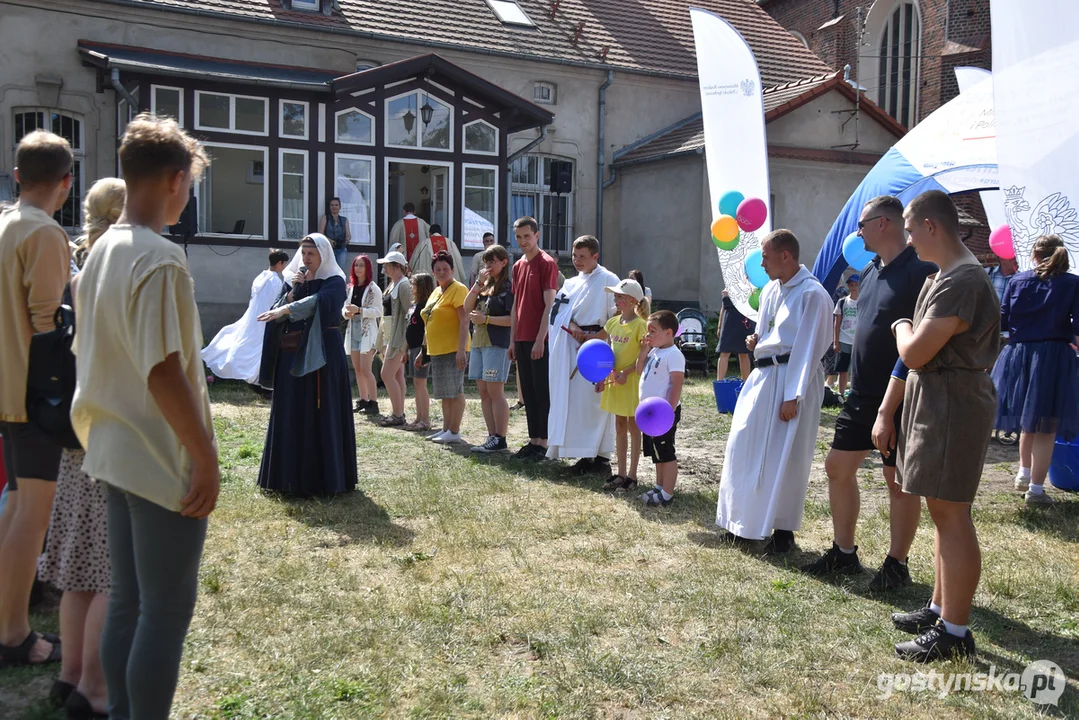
(497,7)
(448,164)
(281,119)
(153,100)
(871,63)
(465,167)
(265,193)
(419,121)
(232,114)
(369,116)
(79,157)
(281,152)
(549,86)
(464,138)
(542,192)
(371,160)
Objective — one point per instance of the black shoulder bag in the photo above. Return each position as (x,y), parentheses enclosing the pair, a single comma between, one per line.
(50,382)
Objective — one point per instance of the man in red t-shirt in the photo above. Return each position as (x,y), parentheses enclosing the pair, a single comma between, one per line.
(535,280)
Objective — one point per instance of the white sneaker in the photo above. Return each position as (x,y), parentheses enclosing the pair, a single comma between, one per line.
(447,438)
(433,437)
(1022,483)
(1038,499)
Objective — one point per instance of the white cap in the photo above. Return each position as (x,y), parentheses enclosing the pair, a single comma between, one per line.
(394,257)
(627,287)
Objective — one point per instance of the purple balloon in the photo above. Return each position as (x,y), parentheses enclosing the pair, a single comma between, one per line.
(654,416)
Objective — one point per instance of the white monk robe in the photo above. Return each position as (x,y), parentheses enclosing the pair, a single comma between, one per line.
(577,427)
(235,353)
(766,466)
(425,253)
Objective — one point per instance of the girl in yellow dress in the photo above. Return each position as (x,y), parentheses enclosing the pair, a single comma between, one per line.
(625,332)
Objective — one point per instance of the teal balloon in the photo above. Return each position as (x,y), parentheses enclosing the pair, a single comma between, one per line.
(728,204)
(758,278)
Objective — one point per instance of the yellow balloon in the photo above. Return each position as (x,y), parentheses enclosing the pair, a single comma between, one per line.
(725,229)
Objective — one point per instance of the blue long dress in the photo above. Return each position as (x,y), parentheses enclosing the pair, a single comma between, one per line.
(311,440)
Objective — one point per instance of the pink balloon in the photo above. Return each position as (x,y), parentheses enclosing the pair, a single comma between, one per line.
(1001,243)
(752,212)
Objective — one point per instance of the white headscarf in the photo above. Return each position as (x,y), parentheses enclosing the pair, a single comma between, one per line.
(327,269)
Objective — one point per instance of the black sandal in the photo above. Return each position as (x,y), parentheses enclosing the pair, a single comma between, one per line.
(19,655)
(392,421)
(60,692)
(79,708)
(617,482)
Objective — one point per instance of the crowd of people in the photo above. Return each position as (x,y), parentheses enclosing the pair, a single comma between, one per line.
(125,508)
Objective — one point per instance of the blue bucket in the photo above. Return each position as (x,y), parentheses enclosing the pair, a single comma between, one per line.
(1064,468)
(726,392)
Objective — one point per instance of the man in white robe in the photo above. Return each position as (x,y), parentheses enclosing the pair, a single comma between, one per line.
(424,255)
(577,426)
(235,353)
(774,430)
(409,231)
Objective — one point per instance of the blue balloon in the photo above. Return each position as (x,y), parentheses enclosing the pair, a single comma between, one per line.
(728,204)
(758,278)
(855,253)
(595,360)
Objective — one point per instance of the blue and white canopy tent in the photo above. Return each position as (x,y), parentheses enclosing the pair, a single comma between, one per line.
(954,150)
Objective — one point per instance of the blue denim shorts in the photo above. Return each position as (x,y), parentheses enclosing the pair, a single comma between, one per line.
(490,364)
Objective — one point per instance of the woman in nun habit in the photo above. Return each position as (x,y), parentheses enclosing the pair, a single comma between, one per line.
(311,440)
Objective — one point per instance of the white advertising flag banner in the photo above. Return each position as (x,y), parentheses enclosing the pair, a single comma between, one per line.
(992,200)
(735,145)
(1036,96)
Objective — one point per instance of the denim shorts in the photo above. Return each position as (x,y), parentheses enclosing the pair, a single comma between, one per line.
(489,364)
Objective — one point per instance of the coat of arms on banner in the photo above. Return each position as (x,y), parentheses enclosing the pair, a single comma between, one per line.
(748,86)
(1052,216)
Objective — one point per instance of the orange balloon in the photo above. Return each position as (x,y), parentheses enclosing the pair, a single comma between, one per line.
(725,229)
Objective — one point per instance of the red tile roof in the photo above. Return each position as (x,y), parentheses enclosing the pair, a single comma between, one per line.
(687,136)
(637,35)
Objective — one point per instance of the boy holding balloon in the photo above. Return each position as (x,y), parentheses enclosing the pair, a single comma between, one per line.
(661,391)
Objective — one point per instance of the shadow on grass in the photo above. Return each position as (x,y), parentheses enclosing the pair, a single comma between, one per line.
(1020,638)
(353,515)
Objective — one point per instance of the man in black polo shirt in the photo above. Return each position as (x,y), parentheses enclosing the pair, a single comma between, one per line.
(889,291)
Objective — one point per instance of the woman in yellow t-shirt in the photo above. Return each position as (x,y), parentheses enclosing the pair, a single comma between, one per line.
(447,343)
(625,332)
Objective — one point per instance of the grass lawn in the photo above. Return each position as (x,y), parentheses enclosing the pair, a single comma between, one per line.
(455,586)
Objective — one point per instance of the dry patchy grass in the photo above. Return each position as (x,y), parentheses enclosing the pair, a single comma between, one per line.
(455,586)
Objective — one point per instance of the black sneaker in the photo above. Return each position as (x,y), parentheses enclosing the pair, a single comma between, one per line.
(834,561)
(891,576)
(601,466)
(371,408)
(494,444)
(781,543)
(531,451)
(936,644)
(360,406)
(584,466)
(916,622)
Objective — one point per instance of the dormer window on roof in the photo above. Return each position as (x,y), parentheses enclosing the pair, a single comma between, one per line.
(510,13)
(306,5)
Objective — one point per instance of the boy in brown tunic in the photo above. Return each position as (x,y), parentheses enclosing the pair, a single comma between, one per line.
(949,404)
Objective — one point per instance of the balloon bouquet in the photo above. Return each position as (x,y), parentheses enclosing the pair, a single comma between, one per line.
(738,214)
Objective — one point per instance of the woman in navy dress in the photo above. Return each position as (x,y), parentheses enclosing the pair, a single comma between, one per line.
(1036,373)
(311,440)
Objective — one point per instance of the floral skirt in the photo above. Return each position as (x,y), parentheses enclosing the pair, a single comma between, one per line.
(76,557)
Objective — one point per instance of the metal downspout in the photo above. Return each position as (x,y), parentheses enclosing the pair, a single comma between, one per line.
(601,155)
(114,77)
